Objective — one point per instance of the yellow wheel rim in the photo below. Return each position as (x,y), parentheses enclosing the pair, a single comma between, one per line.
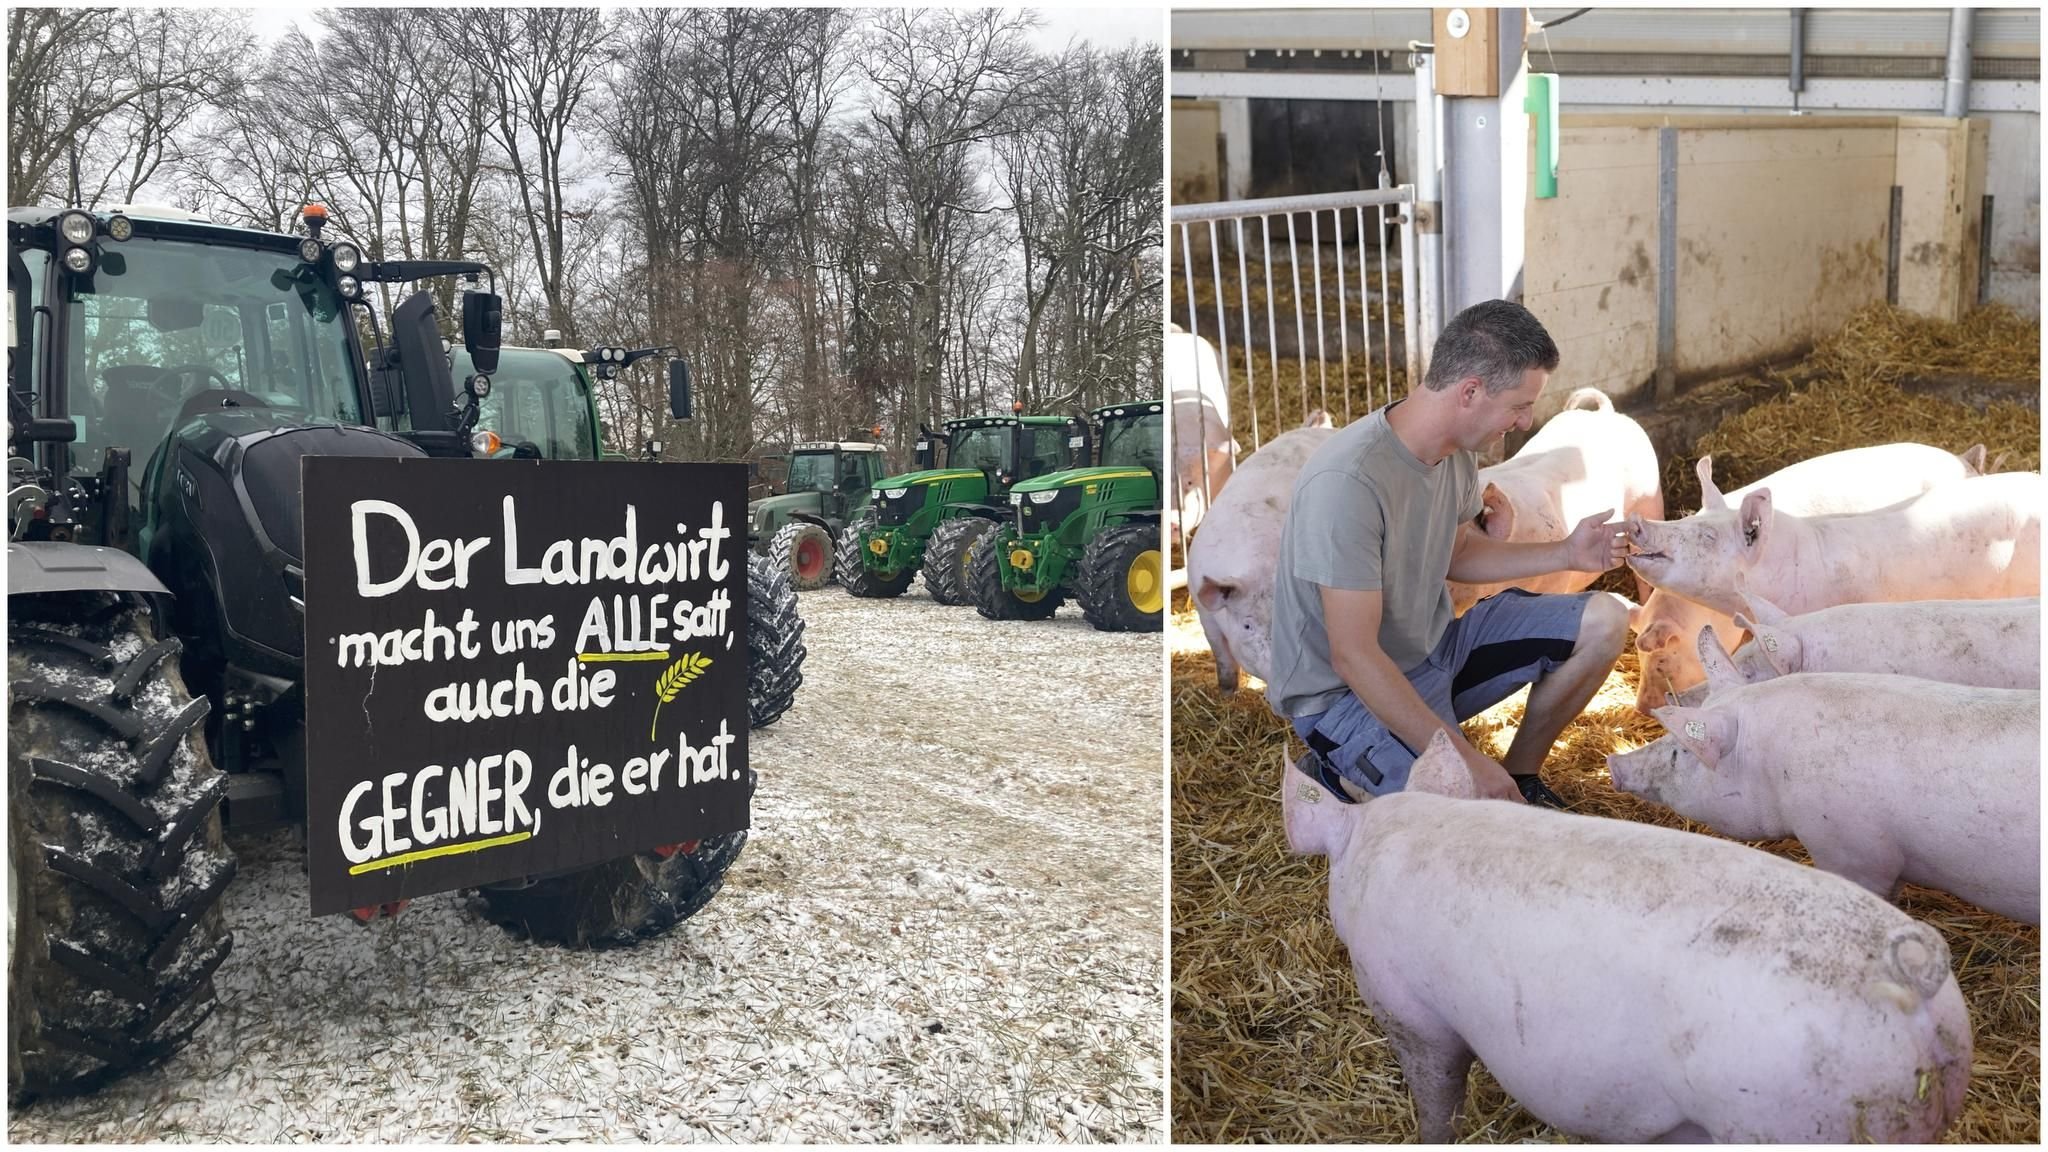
(1142,583)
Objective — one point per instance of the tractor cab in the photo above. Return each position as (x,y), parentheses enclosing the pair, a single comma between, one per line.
(1132,436)
(1007,449)
(541,406)
(166,377)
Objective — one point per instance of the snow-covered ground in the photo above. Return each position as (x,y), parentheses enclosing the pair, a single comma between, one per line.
(947,926)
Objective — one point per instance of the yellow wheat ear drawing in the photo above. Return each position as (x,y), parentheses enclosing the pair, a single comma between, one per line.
(678,677)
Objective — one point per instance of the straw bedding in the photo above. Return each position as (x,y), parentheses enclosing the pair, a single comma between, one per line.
(1270,1038)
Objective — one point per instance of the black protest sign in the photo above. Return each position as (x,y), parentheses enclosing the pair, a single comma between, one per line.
(518,667)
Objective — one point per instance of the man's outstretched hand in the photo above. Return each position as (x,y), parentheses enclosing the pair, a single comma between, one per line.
(1596,545)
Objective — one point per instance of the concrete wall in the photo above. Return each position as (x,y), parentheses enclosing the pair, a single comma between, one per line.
(1941,182)
(1781,236)
(2012,174)
(1196,166)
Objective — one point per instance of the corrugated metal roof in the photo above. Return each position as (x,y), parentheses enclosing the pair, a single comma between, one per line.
(1998,32)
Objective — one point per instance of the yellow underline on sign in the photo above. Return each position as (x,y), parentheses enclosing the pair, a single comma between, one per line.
(443,850)
(600,657)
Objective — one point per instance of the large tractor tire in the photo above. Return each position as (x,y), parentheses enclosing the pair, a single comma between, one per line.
(991,599)
(1122,582)
(620,901)
(803,550)
(116,865)
(946,556)
(775,643)
(852,571)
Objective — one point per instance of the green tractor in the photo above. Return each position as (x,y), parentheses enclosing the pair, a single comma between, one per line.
(542,405)
(827,488)
(1093,532)
(166,376)
(928,520)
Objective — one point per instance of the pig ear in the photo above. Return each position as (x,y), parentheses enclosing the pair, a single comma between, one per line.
(1753,523)
(1973,459)
(1498,510)
(1211,593)
(1708,735)
(1761,611)
(1779,646)
(1656,636)
(1710,496)
(1714,658)
(1441,770)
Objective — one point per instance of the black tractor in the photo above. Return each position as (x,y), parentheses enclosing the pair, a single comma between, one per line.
(165,377)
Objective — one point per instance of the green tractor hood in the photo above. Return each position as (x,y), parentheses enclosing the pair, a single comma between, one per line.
(928,476)
(1081,476)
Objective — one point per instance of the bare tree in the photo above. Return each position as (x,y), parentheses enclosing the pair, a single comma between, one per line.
(942,84)
(95,96)
(537,68)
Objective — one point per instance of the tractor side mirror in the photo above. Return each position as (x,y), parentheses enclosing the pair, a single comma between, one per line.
(679,388)
(429,385)
(483,324)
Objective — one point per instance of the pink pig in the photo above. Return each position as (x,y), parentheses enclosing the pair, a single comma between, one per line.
(1625,982)
(1231,561)
(1883,778)
(1203,451)
(1585,458)
(1978,538)
(1857,480)
(1986,643)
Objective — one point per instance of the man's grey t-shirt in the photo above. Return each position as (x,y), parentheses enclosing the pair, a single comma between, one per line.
(1367,515)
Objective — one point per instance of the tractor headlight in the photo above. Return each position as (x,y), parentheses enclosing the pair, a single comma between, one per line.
(1017,498)
(1045,496)
(350,287)
(346,258)
(485,443)
(120,227)
(76,227)
(478,386)
(78,260)
(309,250)
(894,493)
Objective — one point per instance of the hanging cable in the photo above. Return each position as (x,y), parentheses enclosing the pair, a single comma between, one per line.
(1573,15)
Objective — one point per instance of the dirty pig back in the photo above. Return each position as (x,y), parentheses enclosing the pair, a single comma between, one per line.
(517,668)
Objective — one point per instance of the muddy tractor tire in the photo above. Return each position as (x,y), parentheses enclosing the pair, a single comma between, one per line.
(619,901)
(852,571)
(803,550)
(775,643)
(946,558)
(992,600)
(1122,583)
(116,864)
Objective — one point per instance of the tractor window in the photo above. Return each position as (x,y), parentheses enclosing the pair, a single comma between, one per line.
(31,338)
(1134,443)
(854,473)
(810,472)
(1048,449)
(160,322)
(985,448)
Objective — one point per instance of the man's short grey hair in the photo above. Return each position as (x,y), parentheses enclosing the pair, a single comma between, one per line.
(1496,340)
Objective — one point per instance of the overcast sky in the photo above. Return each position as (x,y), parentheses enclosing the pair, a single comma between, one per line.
(1109,27)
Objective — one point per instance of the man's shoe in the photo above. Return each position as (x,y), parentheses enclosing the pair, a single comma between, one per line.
(1536,792)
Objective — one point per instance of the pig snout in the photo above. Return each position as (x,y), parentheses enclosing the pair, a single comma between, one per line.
(1227,675)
